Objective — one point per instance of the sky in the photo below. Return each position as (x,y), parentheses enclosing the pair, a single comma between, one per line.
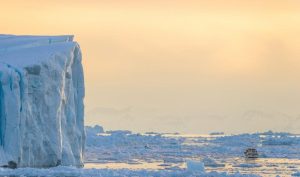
(187,66)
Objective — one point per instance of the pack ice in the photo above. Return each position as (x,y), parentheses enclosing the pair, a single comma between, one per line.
(41,101)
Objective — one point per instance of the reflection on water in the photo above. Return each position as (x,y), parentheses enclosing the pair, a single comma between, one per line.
(261,166)
(133,166)
(193,135)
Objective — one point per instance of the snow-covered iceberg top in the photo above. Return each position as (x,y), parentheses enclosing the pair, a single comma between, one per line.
(41,101)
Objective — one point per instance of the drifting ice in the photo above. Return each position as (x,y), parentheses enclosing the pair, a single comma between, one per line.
(41,101)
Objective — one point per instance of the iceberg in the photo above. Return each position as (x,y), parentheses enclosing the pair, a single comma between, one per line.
(41,101)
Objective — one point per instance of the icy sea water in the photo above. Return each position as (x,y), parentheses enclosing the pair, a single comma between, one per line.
(262,167)
(279,152)
(126,154)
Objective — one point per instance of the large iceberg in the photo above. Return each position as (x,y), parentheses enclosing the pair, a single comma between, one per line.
(41,101)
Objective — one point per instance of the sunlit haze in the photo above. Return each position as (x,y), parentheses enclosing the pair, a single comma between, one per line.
(178,66)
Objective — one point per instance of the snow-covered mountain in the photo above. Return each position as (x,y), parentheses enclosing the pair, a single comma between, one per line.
(41,101)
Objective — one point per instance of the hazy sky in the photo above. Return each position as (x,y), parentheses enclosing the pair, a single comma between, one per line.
(178,66)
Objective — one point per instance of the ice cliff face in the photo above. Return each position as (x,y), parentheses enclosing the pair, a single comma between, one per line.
(41,101)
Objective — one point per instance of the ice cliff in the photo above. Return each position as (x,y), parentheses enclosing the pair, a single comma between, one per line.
(41,101)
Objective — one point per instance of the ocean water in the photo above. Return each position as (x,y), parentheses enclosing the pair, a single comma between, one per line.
(279,153)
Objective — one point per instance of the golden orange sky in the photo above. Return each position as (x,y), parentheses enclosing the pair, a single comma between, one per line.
(186,66)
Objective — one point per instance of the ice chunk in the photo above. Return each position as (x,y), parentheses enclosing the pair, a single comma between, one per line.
(41,101)
(296,174)
(195,166)
(279,140)
(95,130)
(208,162)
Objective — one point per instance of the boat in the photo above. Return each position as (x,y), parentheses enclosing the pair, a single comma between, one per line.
(251,153)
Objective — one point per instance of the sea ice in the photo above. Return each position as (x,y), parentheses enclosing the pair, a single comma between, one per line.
(75,172)
(197,166)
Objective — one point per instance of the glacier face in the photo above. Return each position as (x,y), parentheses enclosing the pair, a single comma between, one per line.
(41,101)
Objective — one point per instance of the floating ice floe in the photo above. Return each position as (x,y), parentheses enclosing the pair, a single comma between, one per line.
(216,153)
(208,162)
(196,166)
(296,174)
(278,140)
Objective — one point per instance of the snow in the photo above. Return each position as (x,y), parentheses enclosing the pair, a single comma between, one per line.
(41,100)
